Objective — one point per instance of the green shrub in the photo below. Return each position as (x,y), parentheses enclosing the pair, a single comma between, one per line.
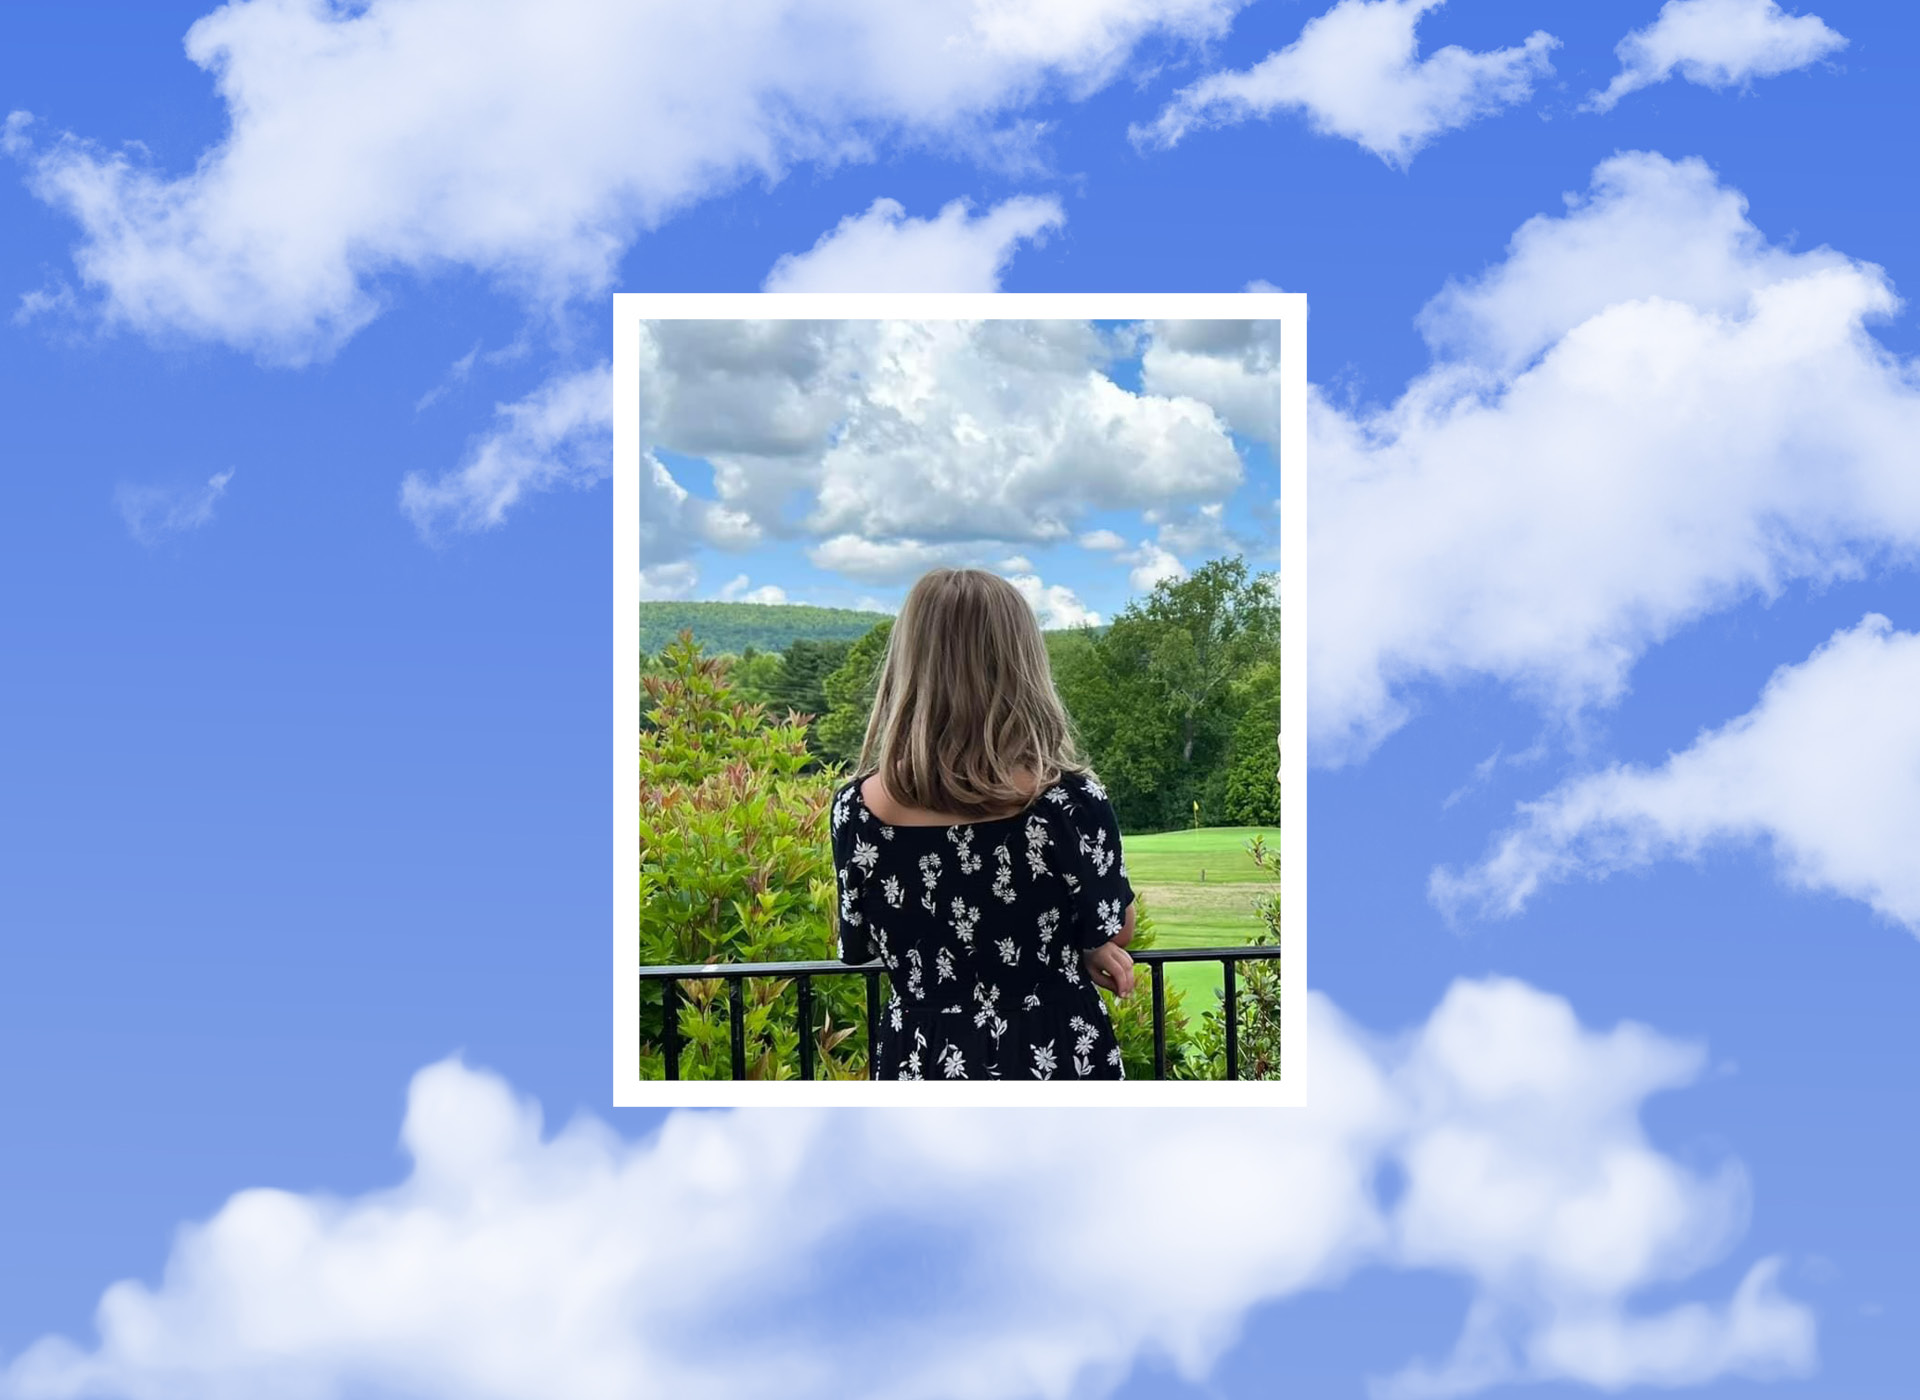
(735,867)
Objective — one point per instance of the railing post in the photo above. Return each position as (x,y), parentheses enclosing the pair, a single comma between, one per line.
(873,1025)
(736,1014)
(1233,1022)
(806,1026)
(1159,1021)
(670,1025)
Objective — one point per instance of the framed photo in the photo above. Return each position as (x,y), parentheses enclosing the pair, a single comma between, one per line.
(958,645)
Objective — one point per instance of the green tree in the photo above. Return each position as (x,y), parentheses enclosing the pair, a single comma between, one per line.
(849,695)
(735,867)
(1249,787)
(1160,698)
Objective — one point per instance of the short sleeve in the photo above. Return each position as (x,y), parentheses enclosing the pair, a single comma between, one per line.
(1097,875)
(848,879)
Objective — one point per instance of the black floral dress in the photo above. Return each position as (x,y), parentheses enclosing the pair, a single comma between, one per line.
(981,927)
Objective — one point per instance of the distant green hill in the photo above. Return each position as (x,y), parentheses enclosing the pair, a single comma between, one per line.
(733,627)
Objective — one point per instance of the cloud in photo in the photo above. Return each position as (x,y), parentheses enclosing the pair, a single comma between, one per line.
(883,250)
(725,1253)
(1644,414)
(155,513)
(894,446)
(1823,772)
(530,142)
(1355,72)
(1717,44)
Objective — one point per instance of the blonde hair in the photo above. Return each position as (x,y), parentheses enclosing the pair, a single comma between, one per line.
(965,701)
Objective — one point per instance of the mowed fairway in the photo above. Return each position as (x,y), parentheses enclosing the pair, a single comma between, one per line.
(1189,911)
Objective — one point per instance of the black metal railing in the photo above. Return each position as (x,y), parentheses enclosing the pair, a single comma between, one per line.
(736,976)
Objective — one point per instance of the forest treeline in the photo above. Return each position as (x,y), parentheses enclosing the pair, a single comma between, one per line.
(732,628)
(1176,703)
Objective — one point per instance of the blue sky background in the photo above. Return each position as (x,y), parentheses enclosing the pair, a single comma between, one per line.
(305,791)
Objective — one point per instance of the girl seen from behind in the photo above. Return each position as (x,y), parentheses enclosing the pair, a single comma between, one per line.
(976,855)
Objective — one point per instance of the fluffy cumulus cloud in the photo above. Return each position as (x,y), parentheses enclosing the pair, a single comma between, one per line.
(153,513)
(1355,72)
(558,434)
(883,250)
(898,445)
(1718,44)
(1054,604)
(1645,413)
(1825,770)
(740,589)
(510,1263)
(530,141)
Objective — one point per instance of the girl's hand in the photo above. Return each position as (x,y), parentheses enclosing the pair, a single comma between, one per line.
(1110,967)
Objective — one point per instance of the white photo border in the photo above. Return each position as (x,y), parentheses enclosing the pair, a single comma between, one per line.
(630,309)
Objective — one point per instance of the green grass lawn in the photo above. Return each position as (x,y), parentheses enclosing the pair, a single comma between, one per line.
(1198,888)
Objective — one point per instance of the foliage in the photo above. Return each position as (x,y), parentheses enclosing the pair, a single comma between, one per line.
(1161,695)
(734,627)
(1256,1000)
(734,867)
(1248,779)
(849,695)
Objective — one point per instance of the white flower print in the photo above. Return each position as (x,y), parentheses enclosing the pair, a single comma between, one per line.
(1032,1001)
(893,1012)
(1092,786)
(1109,911)
(1003,876)
(1049,925)
(1058,796)
(841,802)
(962,838)
(952,1061)
(1096,851)
(965,916)
(914,971)
(890,887)
(929,876)
(1037,840)
(1113,1055)
(865,854)
(1009,952)
(1073,881)
(1123,868)
(849,903)
(943,966)
(1043,1061)
(886,831)
(1083,1066)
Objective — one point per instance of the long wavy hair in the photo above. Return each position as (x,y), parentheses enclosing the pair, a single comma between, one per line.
(965,703)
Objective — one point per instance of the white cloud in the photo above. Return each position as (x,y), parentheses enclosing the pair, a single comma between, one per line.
(1718,44)
(900,431)
(1825,770)
(1054,604)
(740,590)
(152,513)
(889,561)
(1151,565)
(1103,540)
(1231,366)
(882,250)
(559,434)
(1355,72)
(509,1265)
(530,141)
(672,580)
(1644,414)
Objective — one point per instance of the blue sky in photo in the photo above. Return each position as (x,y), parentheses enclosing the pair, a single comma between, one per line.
(305,675)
